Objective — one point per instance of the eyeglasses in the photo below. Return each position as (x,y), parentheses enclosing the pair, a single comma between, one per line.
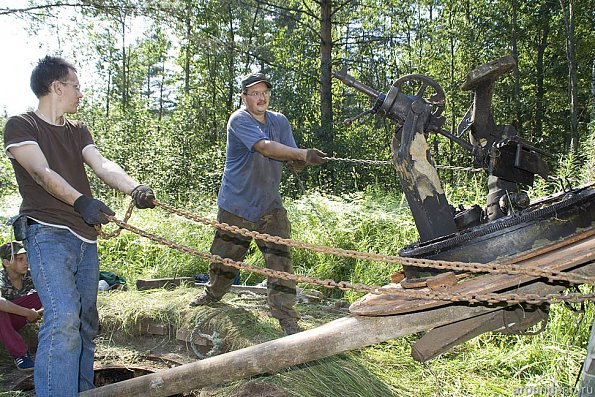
(75,85)
(258,94)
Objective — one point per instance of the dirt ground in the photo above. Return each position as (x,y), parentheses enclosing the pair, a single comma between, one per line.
(119,357)
(114,362)
(154,346)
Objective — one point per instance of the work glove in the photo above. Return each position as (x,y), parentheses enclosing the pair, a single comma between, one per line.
(296,165)
(91,210)
(315,157)
(143,197)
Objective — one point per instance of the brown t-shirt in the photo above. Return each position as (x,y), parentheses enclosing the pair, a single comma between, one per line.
(63,148)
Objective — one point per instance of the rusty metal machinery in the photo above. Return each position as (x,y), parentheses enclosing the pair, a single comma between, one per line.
(509,161)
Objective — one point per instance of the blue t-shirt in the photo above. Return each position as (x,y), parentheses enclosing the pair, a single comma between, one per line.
(250,185)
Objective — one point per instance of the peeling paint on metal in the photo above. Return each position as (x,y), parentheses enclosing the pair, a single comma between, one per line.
(427,180)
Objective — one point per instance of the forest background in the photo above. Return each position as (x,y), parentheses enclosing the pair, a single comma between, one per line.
(159,105)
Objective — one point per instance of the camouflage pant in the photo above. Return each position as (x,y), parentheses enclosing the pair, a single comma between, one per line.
(587,387)
(280,293)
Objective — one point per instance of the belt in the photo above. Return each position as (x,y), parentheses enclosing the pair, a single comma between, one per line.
(32,222)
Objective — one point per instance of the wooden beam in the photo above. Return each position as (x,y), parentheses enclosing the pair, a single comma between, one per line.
(338,336)
(145,284)
(162,283)
(341,335)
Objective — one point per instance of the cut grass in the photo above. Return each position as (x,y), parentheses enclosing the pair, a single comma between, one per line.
(490,365)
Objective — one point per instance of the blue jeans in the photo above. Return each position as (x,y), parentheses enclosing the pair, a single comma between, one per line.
(65,271)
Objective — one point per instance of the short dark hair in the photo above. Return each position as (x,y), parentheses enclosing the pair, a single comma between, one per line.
(48,70)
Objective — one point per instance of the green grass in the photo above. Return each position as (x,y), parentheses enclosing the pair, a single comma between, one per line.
(490,365)
(358,222)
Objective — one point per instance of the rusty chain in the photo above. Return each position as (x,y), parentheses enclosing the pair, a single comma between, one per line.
(388,162)
(117,231)
(492,298)
(493,267)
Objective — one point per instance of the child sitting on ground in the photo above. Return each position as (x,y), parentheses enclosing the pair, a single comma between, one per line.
(19,302)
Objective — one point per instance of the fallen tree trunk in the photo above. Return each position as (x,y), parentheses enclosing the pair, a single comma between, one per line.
(341,335)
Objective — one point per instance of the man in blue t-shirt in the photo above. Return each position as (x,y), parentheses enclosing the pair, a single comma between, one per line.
(258,142)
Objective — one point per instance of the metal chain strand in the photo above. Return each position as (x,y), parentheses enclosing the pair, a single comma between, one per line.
(494,268)
(388,162)
(492,298)
(359,161)
(457,168)
(116,232)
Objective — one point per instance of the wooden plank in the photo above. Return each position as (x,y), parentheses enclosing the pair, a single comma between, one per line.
(562,258)
(441,339)
(145,284)
(255,289)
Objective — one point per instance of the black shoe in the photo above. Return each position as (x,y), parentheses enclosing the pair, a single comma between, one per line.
(289,325)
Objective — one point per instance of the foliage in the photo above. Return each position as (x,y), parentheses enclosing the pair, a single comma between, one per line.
(7,180)
(171,89)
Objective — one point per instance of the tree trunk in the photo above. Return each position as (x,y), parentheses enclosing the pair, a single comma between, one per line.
(161,91)
(188,51)
(592,101)
(572,73)
(539,66)
(518,122)
(124,65)
(326,100)
(452,84)
(326,110)
(231,50)
(109,91)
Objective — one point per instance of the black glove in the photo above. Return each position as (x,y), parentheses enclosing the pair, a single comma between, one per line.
(296,165)
(92,211)
(315,157)
(143,197)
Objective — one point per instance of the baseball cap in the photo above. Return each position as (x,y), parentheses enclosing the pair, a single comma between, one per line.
(255,78)
(9,249)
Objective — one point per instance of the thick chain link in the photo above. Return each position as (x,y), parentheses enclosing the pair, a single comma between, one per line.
(117,231)
(503,267)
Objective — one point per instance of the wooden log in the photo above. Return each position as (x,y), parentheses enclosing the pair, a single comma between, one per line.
(162,283)
(341,335)
(338,336)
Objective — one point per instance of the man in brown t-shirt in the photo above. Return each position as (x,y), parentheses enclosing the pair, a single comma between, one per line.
(48,153)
